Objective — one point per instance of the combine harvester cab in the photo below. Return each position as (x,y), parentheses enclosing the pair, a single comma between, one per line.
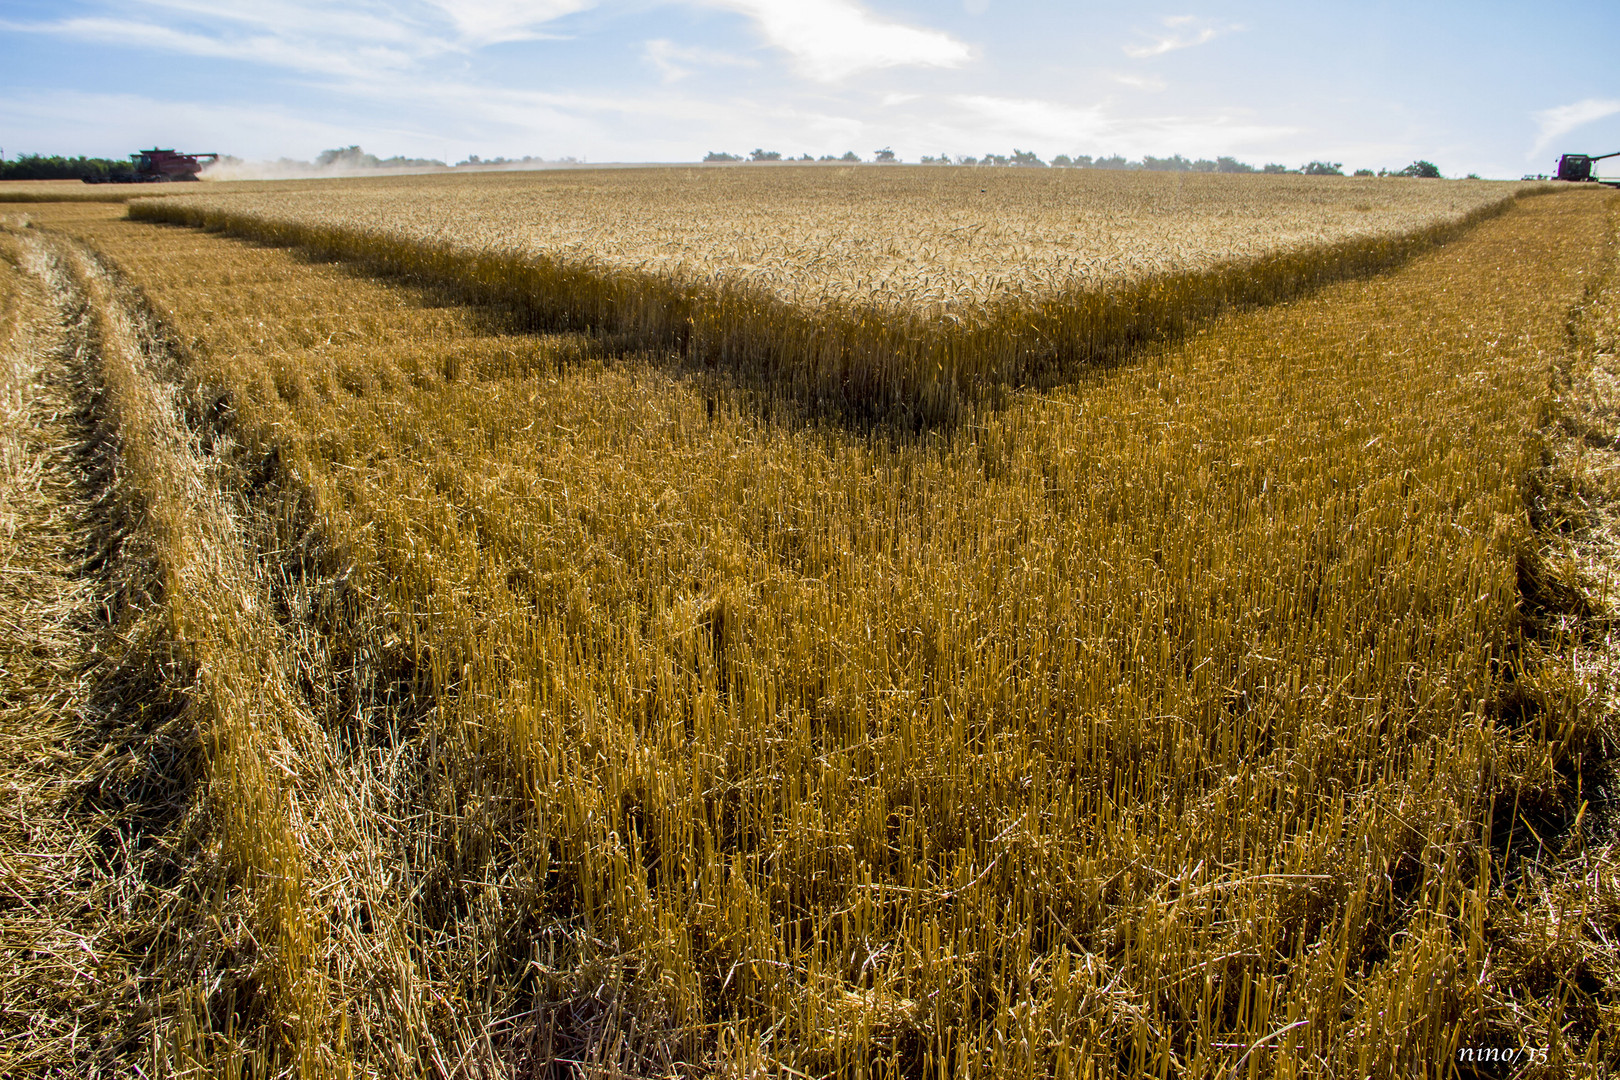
(159,167)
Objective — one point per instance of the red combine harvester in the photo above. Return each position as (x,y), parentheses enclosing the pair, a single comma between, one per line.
(1578,168)
(159,167)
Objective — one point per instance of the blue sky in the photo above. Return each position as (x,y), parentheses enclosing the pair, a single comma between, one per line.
(1494,88)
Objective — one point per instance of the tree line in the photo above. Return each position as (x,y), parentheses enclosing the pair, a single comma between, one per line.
(57,167)
(1029,159)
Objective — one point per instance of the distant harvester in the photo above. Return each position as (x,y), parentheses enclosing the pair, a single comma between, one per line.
(1578,167)
(159,167)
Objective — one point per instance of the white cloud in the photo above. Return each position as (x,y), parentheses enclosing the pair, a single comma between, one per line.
(677,61)
(831,40)
(1054,127)
(1555,122)
(1180,32)
(1031,118)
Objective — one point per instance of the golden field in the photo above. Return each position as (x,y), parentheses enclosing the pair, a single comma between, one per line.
(891,290)
(550,705)
(955,240)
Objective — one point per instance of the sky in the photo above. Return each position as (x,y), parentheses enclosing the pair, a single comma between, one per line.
(1499,89)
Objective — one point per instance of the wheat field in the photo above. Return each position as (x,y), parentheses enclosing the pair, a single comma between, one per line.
(553,704)
(954,241)
(888,291)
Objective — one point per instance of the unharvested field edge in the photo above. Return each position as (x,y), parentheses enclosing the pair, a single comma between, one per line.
(856,361)
(63,197)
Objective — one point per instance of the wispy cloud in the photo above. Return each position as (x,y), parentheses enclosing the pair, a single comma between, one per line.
(831,40)
(401,76)
(1178,32)
(358,61)
(311,37)
(489,22)
(1138,82)
(1561,120)
(678,61)
(828,40)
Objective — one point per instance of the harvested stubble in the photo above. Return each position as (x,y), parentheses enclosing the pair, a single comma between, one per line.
(903,292)
(1187,711)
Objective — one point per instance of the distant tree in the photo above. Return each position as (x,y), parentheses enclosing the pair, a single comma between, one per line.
(827,157)
(1174,163)
(1205,165)
(1115,162)
(850,155)
(1232,165)
(720,155)
(764,155)
(804,157)
(1027,159)
(1472,176)
(346,157)
(399,161)
(474,161)
(884,156)
(943,159)
(993,159)
(1273,167)
(967,161)
(1062,161)
(1082,161)
(352,157)
(1364,172)
(1424,169)
(1325,168)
